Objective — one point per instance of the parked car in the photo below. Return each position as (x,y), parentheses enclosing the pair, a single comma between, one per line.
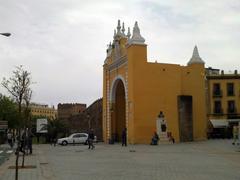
(76,138)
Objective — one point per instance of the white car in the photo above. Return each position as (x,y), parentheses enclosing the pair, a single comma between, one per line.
(76,138)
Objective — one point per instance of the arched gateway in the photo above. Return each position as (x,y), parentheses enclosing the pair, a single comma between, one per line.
(135,91)
(117,109)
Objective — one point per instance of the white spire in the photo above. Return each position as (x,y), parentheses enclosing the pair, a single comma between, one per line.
(196,59)
(109,49)
(115,33)
(123,29)
(128,34)
(136,37)
(118,28)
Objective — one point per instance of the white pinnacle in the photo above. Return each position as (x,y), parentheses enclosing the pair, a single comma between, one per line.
(136,37)
(118,28)
(123,29)
(195,53)
(128,34)
(196,59)
(114,34)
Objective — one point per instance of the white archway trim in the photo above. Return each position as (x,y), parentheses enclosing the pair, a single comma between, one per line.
(114,86)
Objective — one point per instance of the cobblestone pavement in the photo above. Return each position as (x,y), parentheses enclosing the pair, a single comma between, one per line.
(5,152)
(208,160)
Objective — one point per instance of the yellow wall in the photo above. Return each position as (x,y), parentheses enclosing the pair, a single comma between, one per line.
(156,87)
(151,88)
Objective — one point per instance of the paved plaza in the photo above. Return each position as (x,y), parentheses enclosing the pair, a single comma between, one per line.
(208,160)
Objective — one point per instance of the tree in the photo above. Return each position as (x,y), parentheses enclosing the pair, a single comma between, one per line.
(19,87)
(56,127)
(8,111)
(27,116)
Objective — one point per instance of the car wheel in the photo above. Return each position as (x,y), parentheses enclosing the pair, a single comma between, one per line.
(64,143)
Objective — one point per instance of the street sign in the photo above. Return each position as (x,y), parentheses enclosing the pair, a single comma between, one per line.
(42,126)
(3,125)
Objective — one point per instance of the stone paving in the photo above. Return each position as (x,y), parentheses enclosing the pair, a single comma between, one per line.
(5,152)
(208,160)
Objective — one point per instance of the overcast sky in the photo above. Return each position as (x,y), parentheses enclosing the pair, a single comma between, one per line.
(63,42)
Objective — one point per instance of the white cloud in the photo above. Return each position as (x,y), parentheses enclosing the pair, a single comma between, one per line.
(63,42)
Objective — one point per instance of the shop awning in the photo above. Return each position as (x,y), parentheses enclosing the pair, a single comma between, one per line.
(219,123)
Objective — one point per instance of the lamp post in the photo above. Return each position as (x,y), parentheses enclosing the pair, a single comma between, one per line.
(6,34)
(89,122)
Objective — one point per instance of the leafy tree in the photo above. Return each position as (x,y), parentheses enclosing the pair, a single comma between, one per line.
(19,88)
(8,111)
(56,128)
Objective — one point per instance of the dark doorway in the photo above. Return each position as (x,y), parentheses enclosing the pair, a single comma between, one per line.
(119,112)
(185,118)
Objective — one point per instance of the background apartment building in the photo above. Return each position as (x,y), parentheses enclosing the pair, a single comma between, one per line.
(223,99)
(43,110)
(66,110)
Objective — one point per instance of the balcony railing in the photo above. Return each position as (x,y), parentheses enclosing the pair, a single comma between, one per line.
(232,111)
(230,93)
(217,93)
(218,111)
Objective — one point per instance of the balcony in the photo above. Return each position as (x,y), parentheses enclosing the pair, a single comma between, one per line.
(218,111)
(232,111)
(217,93)
(230,93)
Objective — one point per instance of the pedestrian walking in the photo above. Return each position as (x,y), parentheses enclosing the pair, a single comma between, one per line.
(235,134)
(91,139)
(124,137)
(10,138)
(29,140)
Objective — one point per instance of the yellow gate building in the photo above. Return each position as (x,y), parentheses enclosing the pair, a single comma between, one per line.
(135,91)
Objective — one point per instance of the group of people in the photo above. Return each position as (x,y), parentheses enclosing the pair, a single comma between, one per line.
(24,140)
(155,138)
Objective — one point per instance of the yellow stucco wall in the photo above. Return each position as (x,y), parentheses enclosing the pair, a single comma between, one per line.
(151,88)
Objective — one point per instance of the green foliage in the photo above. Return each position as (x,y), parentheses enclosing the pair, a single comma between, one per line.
(9,111)
(18,86)
(57,128)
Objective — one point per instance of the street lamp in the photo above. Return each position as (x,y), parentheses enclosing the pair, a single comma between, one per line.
(6,34)
(89,122)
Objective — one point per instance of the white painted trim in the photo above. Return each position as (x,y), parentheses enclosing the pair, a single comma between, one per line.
(113,88)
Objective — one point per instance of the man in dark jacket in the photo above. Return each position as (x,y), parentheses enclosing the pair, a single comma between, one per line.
(124,137)
(90,139)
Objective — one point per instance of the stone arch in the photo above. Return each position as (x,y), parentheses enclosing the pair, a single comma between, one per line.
(118,99)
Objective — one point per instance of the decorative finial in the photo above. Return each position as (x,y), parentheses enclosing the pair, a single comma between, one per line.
(115,33)
(196,59)
(128,34)
(195,52)
(109,49)
(123,29)
(118,27)
(136,37)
